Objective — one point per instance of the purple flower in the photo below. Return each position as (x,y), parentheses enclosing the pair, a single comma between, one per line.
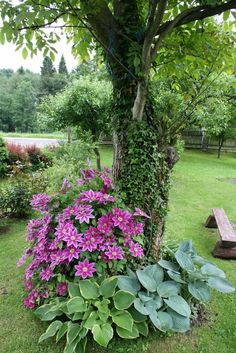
(80,182)
(89,242)
(88,174)
(120,217)
(85,269)
(95,196)
(40,202)
(62,288)
(139,212)
(30,301)
(65,186)
(71,253)
(72,237)
(114,253)
(105,224)
(84,213)
(107,181)
(135,249)
(46,274)
(56,258)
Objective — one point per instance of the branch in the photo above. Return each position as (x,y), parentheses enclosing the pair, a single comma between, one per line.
(196,13)
(43,25)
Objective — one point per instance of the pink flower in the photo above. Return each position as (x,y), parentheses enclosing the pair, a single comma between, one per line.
(71,253)
(62,288)
(105,224)
(80,182)
(84,213)
(89,242)
(72,237)
(95,196)
(46,274)
(139,212)
(107,181)
(40,202)
(56,258)
(136,249)
(88,174)
(65,186)
(62,229)
(114,253)
(85,269)
(120,217)
(30,301)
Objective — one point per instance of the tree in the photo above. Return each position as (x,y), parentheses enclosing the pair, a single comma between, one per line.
(47,69)
(62,66)
(134,37)
(84,104)
(216,112)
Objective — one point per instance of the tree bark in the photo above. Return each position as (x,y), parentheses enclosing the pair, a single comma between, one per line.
(98,158)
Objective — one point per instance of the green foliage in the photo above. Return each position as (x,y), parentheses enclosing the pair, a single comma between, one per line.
(166,292)
(85,103)
(67,160)
(3,158)
(89,310)
(62,69)
(16,195)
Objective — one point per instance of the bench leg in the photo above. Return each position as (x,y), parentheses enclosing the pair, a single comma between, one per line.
(222,252)
(211,222)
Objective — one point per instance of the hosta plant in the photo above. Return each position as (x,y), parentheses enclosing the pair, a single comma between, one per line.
(166,291)
(93,306)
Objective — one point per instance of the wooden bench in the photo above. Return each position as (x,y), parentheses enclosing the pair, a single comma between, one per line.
(226,247)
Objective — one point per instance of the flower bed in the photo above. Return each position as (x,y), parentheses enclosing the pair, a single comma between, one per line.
(88,267)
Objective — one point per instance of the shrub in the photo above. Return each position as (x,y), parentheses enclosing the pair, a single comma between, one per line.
(15,196)
(3,158)
(67,160)
(35,157)
(17,153)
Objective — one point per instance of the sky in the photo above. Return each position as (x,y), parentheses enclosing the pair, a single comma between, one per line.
(11,59)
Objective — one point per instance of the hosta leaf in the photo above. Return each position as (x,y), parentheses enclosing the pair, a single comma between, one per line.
(48,312)
(137,316)
(76,305)
(81,346)
(200,291)
(176,277)
(180,323)
(168,265)
(123,319)
(142,328)
(179,305)
(128,334)
(102,334)
(92,320)
(220,284)
(131,284)
(161,320)
(89,289)
(51,330)
(150,277)
(123,299)
(108,286)
(72,332)
(212,270)
(144,297)
(139,306)
(74,290)
(184,261)
(62,330)
(187,247)
(168,288)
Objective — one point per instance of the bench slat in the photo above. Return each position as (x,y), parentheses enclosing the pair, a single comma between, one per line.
(226,231)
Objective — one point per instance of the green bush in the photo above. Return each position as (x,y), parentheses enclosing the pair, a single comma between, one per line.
(3,158)
(17,193)
(67,160)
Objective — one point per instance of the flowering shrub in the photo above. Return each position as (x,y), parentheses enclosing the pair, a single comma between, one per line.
(84,232)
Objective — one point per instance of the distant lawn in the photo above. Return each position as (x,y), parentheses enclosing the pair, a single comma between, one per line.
(56,135)
(198,186)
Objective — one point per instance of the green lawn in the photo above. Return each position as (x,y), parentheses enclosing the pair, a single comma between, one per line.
(56,135)
(197,187)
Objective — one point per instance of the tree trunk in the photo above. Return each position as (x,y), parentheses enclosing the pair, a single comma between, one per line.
(220,144)
(143,161)
(98,158)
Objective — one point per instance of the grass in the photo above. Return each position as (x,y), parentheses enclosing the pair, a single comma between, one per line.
(198,186)
(56,135)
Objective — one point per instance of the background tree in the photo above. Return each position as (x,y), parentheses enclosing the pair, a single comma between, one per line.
(133,36)
(84,104)
(62,66)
